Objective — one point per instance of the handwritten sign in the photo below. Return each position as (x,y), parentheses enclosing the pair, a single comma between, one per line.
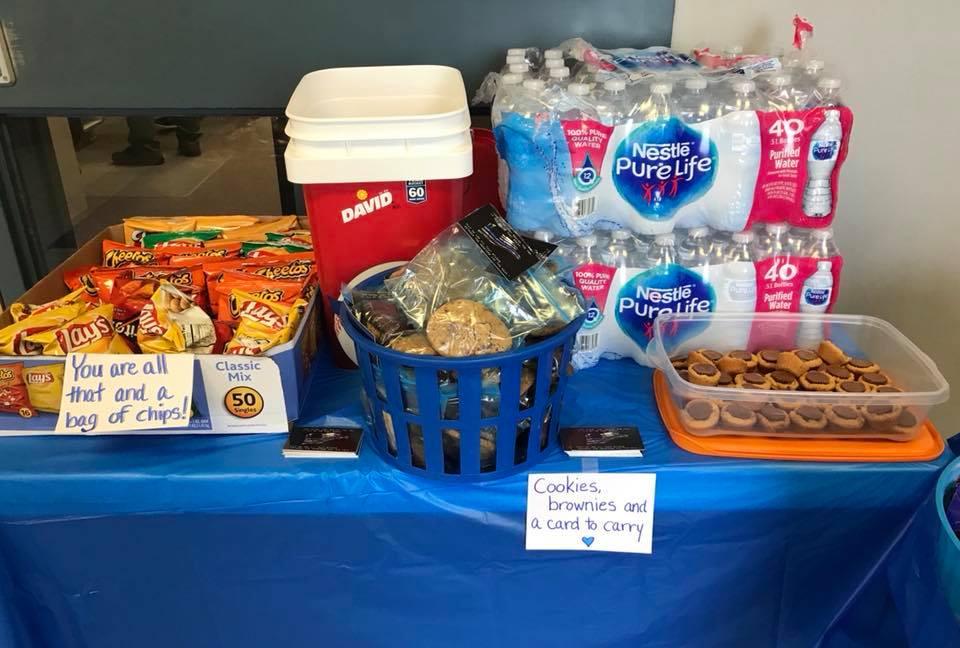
(116,393)
(591,512)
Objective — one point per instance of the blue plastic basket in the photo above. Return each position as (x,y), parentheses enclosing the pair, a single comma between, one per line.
(463,418)
(948,545)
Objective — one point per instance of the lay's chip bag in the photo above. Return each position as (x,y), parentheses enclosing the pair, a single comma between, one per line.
(172,323)
(22,311)
(45,386)
(135,227)
(19,337)
(263,324)
(14,397)
(89,332)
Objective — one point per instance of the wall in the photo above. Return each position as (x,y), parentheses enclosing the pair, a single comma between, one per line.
(897,216)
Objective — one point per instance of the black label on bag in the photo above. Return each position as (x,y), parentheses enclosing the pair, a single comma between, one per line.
(325,439)
(509,252)
(599,439)
(542,248)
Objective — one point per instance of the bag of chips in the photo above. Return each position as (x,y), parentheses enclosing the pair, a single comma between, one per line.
(116,255)
(17,339)
(213,250)
(293,237)
(172,323)
(263,324)
(128,297)
(89,332)
(286,267)
(80,278)
(254,249)
(14,397)
(274,290)
(135,227)
(45,386)
(258,231)
(225,223)
(196,238)
(22,311)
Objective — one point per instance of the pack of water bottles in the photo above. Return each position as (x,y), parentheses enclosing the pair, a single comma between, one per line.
(651,140)
(628,279)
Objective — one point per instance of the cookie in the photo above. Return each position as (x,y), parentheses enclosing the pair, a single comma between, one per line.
(773,418)
(750,358)
(787,404)
(861,366)
(704,373)
(684,374)
(882,416)
(782,380)
(875,379)
(737,416)
(703,355)
(832,354)
(726,380)
(807,417)
(839,372)
(679,362)
(466,328)
(809,358)
(767,359)
(852,387)
(790,361)
(732,365)
(906,423)
(700,414)
(845,417)
(751,380)
(415,343)
(887,389)
(818,381)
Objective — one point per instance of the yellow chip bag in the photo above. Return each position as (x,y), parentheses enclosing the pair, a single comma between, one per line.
(89,332)
(259,230)
(45,386)
(136,226)
(263,324)
(22,311)
(225,222)
(18,338)
(172,323)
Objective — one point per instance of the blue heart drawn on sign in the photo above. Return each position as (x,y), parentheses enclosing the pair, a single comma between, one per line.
(662,165)
(663,289)
(587,540)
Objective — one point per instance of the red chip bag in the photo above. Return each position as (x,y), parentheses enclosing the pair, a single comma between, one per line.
(14,397)
(266,289)
(192,255)
(80,277)
(117,255)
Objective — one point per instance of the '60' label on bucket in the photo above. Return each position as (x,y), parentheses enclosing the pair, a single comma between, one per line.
(416,191)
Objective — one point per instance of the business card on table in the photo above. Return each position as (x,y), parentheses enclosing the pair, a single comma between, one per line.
(323,443)
(609,441)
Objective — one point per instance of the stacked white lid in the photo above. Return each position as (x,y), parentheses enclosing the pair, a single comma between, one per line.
(365,124)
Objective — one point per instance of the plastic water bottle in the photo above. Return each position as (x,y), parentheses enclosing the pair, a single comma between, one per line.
(659,105)
(817,289)
(523,69)
(693,106)
(517,59)
(504,101)
(694,249)
(611,102)
(552,54)
(780,93)
(822,244)
(744,96)
(663,251)
(798,241)
(718,248)
(551,64)
(827,93)
(740,280)
(517,51)
(579,97)
(824,148)
(774,242)
(558,77)
(621,250)
(587,250)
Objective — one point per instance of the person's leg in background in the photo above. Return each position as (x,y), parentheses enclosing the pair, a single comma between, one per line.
(188,136)
(144,149)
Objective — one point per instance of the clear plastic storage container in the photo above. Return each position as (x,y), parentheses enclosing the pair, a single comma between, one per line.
(884,414)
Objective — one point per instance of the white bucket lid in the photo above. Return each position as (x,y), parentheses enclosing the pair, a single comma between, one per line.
(404,122)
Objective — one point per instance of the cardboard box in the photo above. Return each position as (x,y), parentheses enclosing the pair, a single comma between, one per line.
(293,359)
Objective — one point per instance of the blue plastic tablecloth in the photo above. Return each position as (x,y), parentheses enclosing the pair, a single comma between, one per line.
(220,542)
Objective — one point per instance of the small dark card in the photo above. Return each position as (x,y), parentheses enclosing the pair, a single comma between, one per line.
(323,441)
(542,248)
(509,252)
(619,441)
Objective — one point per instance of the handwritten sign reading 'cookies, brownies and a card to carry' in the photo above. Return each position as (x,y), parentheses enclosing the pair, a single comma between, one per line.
(591,512)
(105,393)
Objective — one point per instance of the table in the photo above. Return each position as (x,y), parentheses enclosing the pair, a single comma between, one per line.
(217,541)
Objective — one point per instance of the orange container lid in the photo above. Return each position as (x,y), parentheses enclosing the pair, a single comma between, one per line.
(927,445)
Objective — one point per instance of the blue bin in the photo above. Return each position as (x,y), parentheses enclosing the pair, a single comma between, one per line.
(463,418)
(948,545)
